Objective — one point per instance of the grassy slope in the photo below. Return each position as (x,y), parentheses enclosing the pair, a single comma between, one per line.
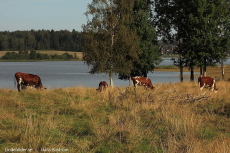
(173,118)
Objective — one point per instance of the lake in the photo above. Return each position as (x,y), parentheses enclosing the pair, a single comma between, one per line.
(60,74)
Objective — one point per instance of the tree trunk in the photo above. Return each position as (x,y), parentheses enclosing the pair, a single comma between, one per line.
(222,68)
(181,69)
(144,73)
(130,82)
(201,70)
(205,66)
(111,80)
(191,74)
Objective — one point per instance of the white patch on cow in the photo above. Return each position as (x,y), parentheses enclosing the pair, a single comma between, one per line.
(20,81)
(212,87)
(137,83)
(201,88)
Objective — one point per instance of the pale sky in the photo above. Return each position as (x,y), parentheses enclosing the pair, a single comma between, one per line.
(42,14)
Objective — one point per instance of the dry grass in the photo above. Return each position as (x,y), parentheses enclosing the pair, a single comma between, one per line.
(173,118)
(215,72)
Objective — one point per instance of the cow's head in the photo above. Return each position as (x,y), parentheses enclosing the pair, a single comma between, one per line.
(152,87)
(40,86)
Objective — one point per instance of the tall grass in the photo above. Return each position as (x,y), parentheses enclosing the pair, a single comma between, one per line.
(173,118)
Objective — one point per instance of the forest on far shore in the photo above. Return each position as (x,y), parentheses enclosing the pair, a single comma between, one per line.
(41,40)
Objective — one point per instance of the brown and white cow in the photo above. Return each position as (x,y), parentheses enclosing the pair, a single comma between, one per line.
(142,81)
(102,86)
(25,81)
(207,82)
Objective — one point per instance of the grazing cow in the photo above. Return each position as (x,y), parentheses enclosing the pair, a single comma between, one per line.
(25,80)
(142,81)
(102,86)
(207,82)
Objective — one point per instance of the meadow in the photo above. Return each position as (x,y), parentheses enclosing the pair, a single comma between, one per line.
(172,118)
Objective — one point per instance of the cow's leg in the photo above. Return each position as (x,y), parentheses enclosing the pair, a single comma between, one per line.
(100,88)
(18,86)
(212,87)
(201,86)
(135,85)
(19,82)
(23,87)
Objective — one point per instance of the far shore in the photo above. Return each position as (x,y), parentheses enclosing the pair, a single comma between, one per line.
(211,71)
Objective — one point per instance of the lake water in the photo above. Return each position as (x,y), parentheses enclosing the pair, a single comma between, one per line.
(55,74)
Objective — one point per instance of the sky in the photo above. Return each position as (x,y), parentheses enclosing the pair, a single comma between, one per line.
(58,15)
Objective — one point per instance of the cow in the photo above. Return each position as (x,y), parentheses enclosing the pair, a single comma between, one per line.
(102,85)
(207,82)
(142,81)
(25,81)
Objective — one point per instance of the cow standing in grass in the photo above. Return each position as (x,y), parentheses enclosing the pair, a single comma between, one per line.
(207,82)
(102,86)
(142,81)
(25,81)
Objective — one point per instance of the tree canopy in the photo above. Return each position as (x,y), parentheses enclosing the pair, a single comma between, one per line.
(201,28)
(110,44)
(41,40)
(145,31)
(120,38)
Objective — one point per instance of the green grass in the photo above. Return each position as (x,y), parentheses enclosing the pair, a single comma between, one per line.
(170,118)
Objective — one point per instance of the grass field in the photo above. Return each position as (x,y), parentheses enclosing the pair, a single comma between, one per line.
(172,118)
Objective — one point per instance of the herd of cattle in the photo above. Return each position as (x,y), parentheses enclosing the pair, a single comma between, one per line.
(25,81)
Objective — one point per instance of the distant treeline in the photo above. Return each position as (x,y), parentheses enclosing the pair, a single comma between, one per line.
(41,40)
(33,55)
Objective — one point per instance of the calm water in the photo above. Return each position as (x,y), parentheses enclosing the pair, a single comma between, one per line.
(55,74)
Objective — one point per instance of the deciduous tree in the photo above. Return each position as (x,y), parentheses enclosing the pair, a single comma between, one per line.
(110,44)
(201,27)
(145,30)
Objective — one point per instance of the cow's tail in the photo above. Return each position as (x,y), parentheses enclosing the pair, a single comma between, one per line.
(15,81)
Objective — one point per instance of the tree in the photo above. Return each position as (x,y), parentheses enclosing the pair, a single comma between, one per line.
(168,20)
(33,54)
(110,45)
(142,24)
(198,25)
